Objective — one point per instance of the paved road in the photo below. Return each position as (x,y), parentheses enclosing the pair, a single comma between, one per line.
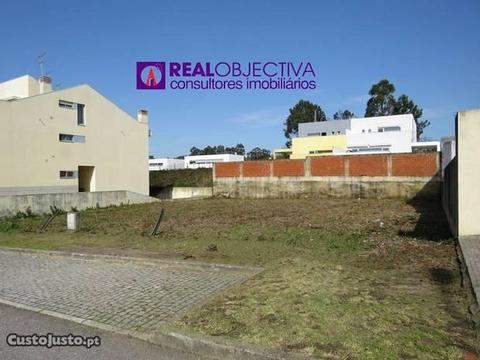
(119,347)
(129,295)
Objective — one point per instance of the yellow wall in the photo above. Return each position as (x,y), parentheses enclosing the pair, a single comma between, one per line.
(302,146)
(32,155)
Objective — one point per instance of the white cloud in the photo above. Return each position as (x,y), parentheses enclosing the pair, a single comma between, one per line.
(262,118)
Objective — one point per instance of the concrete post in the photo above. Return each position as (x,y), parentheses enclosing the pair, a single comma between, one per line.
(72,221)
(346,165)
(389,165)
(308,167)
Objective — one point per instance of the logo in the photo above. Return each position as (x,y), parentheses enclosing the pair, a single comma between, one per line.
(151,75)
(234,75)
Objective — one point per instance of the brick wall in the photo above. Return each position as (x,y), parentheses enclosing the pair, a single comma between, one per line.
(256,168)
(399,165)
(327,166)
(414,165)
(368,165)
(229,169)
(289,168)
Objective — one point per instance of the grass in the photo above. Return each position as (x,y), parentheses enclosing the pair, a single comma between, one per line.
(343,279)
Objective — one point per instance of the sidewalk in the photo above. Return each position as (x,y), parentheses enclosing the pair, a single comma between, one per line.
(470,252)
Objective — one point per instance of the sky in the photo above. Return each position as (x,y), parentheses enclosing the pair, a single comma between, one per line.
(430,50)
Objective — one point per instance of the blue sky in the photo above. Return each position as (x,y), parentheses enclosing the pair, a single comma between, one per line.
(430,50)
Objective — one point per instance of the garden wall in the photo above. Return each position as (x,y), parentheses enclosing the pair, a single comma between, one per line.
(379,176)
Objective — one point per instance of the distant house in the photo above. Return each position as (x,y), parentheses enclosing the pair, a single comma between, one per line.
(372,135)
(157,164)
(69,140)
(207,161)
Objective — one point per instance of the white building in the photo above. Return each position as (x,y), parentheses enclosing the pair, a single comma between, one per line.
(207,161)
(157,164)
(394,134)
(69,140)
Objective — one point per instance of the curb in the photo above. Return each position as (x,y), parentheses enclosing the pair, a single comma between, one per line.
(131,259)
(205,347)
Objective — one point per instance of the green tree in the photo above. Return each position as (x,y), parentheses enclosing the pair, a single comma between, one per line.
(383,102)
(343,115)
(240,149)
(259,154)
(195,151)
(303,111)
(404,105)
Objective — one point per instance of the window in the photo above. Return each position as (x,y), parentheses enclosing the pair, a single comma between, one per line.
(67,174)
(80,114)
(66,104)
(324,134)
(79,107)
(376,148)
(65,137)
(389,128)
(71,138)
(320,151)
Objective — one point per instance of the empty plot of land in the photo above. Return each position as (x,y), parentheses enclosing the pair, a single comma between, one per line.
(343,278)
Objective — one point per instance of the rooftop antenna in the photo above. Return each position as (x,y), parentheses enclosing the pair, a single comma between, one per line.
(41,61)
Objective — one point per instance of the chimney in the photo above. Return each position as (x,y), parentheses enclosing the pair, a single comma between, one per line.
(142,116)
(45,83)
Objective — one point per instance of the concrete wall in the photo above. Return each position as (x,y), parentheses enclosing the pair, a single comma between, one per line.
(32,155)
(174,193)
(450,195)
(41,203)
(391,176)
(468,167)
(318,187)
(448,151)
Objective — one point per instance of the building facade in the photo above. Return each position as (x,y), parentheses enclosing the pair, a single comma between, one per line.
(158,164)
(70,140)
(373,135)
(207,161)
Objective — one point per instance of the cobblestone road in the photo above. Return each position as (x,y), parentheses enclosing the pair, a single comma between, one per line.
(130,295)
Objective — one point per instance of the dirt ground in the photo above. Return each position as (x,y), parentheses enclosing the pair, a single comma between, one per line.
(342,279)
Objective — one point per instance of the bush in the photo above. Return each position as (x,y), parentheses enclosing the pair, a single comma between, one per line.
(6,226)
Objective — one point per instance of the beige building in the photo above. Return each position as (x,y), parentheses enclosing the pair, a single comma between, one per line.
(69,140)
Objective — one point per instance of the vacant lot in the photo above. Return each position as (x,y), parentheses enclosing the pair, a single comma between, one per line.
(346,279)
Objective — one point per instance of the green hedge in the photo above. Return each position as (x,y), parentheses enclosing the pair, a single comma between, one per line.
(184,177)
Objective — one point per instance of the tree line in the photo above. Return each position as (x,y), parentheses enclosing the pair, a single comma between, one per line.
(256,153)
